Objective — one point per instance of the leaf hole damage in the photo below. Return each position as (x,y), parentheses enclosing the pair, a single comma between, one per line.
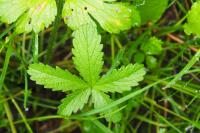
(29,21)
(117,10)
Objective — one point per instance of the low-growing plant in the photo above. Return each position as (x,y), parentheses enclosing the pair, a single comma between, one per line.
(99,83)
(87,58)
(150,48)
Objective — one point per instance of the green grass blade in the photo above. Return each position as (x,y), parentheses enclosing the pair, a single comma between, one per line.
(178,76)
(101,126)
(5,65)
(121,100)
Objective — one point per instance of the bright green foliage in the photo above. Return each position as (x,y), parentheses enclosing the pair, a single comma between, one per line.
(151,10)
(147,52)
(38,14)
(122,79)
(88,54)
(90,127)
(193,20)
(41,14)
(152,47)
(74,102)
(57,79)
(35,14)
(151,62)
(10,10)
(139,57)
(113,17)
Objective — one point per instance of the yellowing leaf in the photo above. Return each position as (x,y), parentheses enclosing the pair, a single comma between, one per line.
(38,14)
(75,16)
(41,14)
(10,10)
(113,17)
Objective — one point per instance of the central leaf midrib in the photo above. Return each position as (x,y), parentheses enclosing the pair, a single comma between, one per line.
(54,76)
(87,51)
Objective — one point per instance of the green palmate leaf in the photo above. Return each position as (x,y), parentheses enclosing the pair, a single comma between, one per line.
(113,17)
(152,47)
(55,78)
(87,53)
(74,102)
(39,14)
(100,99)
(151,10)
(121,80)
(193,20)
(87,57)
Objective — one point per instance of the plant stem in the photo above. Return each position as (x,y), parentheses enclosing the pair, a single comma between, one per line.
(53,35)
(36,48)
(40,118)
(112,48)
(20,112)
(22,115)
(26,94)
(118,42)
(26,91)
(7,30)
